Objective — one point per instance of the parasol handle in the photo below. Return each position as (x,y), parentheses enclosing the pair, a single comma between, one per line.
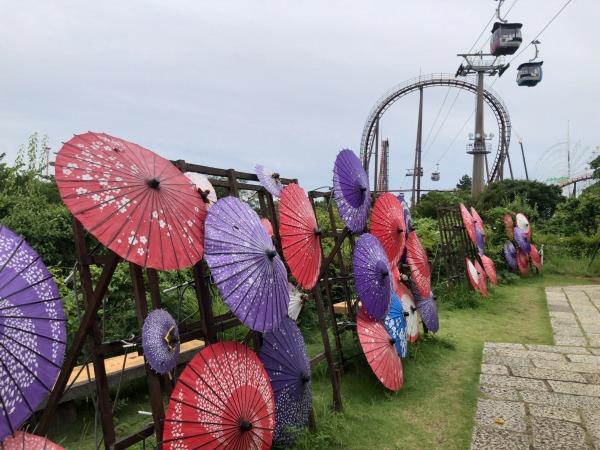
(245,425)
(171,339)
(275,176)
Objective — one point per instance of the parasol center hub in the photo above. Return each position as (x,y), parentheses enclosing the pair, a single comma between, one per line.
(318,232)
(204,195)
(305,378)
(271,253)
(171,338)
(384,273)
(392,341)
(154,183)
(362,188)
(245,425)
(400,230)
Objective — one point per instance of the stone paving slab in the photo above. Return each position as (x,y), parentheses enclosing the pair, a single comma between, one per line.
(547,374)
(492,439)
(547,395)
(554,412)
(557,434)
(513,382)
(512,414)
(565,387)
(495,369)
(591,421)
(500,393)
(570,340)
(555,349)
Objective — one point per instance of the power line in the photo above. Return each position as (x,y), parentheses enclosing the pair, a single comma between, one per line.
(543,29)
(443,122)
(436,118)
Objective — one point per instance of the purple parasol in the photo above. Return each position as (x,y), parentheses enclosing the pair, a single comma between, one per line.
(284,356)
(522,241)
(372,276)
(248,271)
(406,212)
(510,254)
(160,339)
(351,191)
(270,180)
(427,309)
(395,324)
(479,236)
(32,332)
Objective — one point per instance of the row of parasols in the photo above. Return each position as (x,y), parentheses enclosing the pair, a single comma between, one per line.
(518,257)
(141,207)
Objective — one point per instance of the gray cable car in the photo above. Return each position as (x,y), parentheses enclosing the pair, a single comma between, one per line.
(506,38)
(530,73)
(435,176)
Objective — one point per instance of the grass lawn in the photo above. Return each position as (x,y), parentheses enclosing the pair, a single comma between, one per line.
(436,406)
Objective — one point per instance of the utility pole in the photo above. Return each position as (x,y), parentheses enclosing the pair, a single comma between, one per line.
(475,64)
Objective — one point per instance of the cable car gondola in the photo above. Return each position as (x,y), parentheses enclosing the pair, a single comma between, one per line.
(506,38)
(435,176)
(530,73)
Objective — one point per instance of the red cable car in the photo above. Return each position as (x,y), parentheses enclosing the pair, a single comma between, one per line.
(506,38)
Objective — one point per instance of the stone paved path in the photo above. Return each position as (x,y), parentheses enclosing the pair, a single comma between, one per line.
(545,396)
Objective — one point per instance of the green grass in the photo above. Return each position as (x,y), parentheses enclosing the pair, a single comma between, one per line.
(436,406)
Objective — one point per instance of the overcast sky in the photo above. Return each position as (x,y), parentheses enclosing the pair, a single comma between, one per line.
(288,84)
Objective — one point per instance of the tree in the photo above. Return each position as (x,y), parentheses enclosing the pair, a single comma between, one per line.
(543,197)
(427,206)
(30,205)
(464,184)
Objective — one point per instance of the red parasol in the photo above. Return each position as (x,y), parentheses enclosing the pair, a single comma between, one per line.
(418,263)
(25,441)
(523,262)
(223,399)
(536,259)
(133,201)
(380,350)
(469,225)
(267,223)
(482,279)
(388,225)
(300,236)
(490,268)
(473,275)
(509,226)
(410,311)
(477,221)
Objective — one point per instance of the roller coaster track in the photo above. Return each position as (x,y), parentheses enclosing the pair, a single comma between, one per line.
(432,80)
(585,176)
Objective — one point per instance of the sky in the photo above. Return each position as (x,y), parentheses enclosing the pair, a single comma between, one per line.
(232,84)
